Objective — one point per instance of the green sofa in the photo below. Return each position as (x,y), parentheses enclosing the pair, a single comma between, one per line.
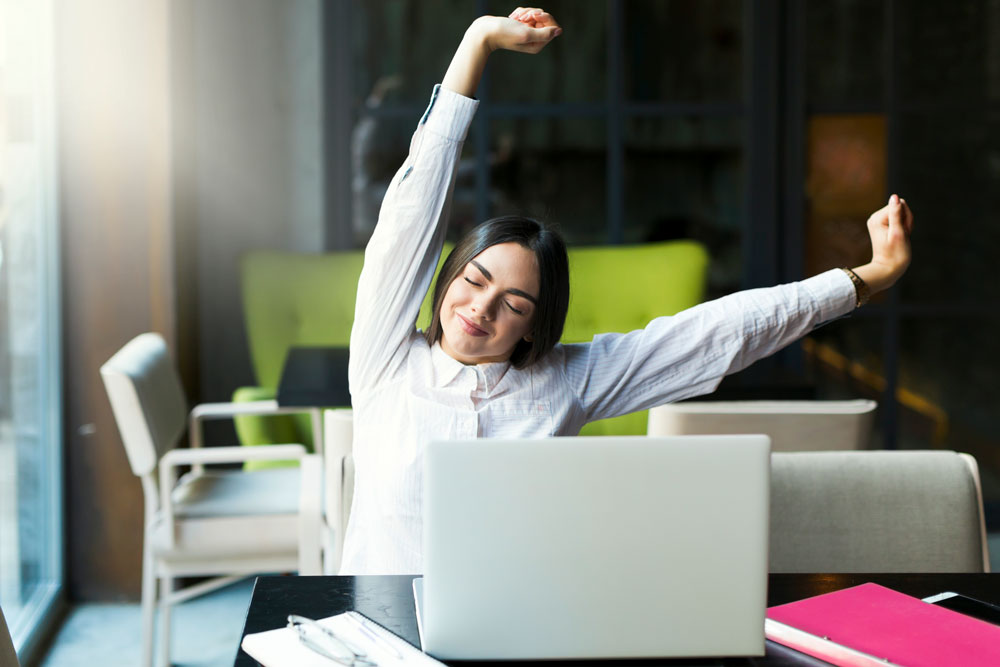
(293,299)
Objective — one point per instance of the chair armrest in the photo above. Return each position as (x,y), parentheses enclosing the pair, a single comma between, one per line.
(204,411)
(198,457)
(179,457)
(223,410)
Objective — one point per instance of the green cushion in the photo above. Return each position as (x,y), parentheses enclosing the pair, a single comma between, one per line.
(620,289)
(253,430)
(293,299)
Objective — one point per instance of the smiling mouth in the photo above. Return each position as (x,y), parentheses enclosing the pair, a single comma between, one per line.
(470,328)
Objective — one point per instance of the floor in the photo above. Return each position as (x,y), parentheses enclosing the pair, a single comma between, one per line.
(109,634)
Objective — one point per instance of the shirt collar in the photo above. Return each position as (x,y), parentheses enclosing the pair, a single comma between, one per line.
(447,369)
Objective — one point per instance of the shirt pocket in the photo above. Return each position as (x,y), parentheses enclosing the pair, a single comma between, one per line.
(519,419)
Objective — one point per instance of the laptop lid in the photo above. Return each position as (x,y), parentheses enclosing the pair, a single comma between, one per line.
(592,547)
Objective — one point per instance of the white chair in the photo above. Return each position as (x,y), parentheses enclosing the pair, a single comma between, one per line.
(877,511)
(338,467)
(209,522)
(8,656)
(792,425)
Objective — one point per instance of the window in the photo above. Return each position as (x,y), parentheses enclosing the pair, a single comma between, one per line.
(631,132)
(30,390)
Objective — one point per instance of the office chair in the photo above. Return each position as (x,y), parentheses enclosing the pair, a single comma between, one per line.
(877,511)
(792,425)
(207,523)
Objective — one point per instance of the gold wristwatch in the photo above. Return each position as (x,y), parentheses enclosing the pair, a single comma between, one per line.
(861,291)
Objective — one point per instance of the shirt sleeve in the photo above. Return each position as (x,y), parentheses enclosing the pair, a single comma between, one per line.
(402,254)
(688,354)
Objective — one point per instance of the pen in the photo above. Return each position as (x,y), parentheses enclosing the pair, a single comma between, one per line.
(373,634)
(327,644)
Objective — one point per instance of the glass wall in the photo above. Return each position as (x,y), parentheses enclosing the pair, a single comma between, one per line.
(628,130)
(30,432)
(905,97)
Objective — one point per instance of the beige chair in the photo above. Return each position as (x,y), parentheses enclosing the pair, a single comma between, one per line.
(209,522)
(8,656)
(792,425)
(338,477)
(877,511)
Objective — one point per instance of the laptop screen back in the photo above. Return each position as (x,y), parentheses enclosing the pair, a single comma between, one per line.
(596,547)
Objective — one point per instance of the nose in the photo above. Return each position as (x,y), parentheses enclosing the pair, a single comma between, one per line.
(484,305)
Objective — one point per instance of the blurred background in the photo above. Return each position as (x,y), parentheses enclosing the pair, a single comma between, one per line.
(147,146)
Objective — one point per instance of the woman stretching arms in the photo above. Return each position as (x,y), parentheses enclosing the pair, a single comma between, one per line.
(490,364)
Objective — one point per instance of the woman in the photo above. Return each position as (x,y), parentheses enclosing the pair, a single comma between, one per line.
(490,364)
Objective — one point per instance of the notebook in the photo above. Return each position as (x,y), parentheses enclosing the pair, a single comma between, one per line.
(596,547)
(870,625)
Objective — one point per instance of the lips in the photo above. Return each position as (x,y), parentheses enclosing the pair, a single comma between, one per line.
(470,328)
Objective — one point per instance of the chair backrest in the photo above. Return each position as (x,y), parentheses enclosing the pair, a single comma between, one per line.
(295,299)
(8,656)
(621,288)
(793,426)
(876,511)
(147,400)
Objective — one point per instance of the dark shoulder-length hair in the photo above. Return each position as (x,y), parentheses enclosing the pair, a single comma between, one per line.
(553,274)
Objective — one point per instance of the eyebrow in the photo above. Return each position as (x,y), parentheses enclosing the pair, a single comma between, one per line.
(512,290)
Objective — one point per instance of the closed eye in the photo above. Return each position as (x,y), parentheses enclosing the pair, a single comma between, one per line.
(472,282)
(519,312)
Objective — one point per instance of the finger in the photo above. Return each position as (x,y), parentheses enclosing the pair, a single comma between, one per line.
(543,35)
(516,14)
(544,20)
(907,217)
(879,218)
(895,218)
(534,13)
(537,19)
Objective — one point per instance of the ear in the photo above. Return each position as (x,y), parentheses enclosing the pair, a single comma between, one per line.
(528,338)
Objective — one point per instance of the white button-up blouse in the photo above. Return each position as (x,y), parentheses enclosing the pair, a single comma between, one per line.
(406,392)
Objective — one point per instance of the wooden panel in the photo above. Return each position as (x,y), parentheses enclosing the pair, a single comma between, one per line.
(118,263)
(845,183)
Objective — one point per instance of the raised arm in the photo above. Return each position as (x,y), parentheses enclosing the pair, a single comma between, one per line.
(527,30)
(688,354)
(404,248)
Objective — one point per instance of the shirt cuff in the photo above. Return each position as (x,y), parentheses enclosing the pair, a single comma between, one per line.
(449,114)
(833,291)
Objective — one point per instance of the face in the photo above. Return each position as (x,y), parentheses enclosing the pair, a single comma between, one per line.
(490,306)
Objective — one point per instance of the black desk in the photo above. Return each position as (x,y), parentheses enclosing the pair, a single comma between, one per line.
(388,600)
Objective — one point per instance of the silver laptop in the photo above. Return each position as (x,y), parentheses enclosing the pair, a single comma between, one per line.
(611,547)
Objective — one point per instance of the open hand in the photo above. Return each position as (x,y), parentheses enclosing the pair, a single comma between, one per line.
(527,30)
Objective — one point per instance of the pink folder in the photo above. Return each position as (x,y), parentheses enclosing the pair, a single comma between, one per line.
(873,625)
